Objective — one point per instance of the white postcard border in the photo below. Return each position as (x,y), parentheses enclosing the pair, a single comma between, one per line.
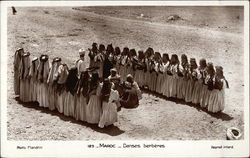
(79,148)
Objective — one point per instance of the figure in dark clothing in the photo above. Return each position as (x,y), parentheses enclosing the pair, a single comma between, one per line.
(107,64)
(13,10)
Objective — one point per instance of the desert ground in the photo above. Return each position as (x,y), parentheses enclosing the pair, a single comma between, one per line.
(214,33)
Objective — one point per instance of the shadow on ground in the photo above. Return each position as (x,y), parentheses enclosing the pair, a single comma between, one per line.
(110,130)
(220,115)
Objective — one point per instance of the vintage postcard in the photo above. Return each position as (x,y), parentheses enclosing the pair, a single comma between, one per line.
(124,79)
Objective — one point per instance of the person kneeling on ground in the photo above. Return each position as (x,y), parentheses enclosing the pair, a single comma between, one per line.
(132,93)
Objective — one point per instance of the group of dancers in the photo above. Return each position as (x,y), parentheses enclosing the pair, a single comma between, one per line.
(93,93)
(79,92)
(203,84)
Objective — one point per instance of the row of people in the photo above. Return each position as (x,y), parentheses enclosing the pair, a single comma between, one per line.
(77,92)
(201,84)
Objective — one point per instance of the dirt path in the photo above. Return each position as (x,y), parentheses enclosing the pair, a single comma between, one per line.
(62,31)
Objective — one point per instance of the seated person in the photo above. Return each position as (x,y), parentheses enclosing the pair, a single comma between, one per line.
(131,93)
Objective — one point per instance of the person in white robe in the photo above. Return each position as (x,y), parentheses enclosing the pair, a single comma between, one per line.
(109,97)
(24,77)
(51,82)
(43,73)
(61,76)
(81,63)
(33,79)
(17,60)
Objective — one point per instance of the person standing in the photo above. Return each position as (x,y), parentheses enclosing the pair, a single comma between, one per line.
(94,109)
(17,60)
(122,62)
(109,98)
(198,87)
(107,63)
(217,97)
(165,63)
(160,76)
(33,79)
(139,66)
(43,73)
(81,63)
(51,80)
(192,77)
(82,88)
(24,77)
(61,76)
(70,99)
(173,78)
(209,84)
(99,59)
(92,53)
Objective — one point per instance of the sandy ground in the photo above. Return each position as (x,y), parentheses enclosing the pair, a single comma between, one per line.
(62,31)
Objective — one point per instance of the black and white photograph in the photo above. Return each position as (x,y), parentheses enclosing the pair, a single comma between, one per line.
(128,72)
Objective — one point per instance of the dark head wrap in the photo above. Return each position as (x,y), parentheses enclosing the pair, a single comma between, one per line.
(83,83)
(110,49)
(132,52)
(117,51)
(210,69)
(94,81)
(157,56)
(150,52)
(125,51)
(141,54)
(106,89)
(94,47)
(203,63)
(219,74)
(165,57)
(184,60)
(71,80)
(193,63)
(174,59)
(101,48)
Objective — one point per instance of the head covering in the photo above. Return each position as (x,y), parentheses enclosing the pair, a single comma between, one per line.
(94,44)
(34,59)
(82,51)
(26,54)
(132,52)
(184,59)
(129,78)
(174,59)
(125,51)
(219,71)
(157,56)
(210,68)
(101,48)
(140,54)
(44,57)
(203,63)
(19,49)
(165,57)
(113,70)
(193,63)
(150,51)
(110,48)
(117,51)
(57,59)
